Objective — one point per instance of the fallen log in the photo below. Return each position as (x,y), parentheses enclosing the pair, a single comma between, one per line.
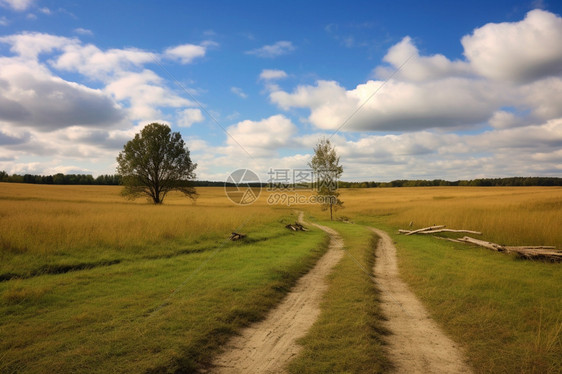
(424,229)
(450,230)
(483,243)
(531,247)
(530,252)
(449,239)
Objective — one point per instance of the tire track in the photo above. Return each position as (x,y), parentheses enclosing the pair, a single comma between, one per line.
(269,345)
(417,344)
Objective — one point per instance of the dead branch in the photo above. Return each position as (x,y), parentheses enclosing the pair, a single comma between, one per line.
(531,252)
(424,229)
(483,243)
(450,230)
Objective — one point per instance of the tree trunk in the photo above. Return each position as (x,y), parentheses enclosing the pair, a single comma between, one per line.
(331,218)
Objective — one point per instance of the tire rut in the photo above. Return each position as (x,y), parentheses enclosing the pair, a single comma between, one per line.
(268,346)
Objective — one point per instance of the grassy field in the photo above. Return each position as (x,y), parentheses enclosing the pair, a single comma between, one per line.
(348,336)
(162,307)
(92,282)
(505,215)
(505,312)
(49,229)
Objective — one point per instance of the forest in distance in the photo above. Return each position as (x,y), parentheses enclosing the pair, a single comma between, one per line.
(115,180)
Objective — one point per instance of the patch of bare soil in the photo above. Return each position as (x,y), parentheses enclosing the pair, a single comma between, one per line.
(417,344)
(269,345)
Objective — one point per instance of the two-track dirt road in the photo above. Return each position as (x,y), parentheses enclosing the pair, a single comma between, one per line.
(269,345)
(416,345)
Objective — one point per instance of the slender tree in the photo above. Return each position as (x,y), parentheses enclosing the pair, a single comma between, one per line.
(326,165)
(155,162)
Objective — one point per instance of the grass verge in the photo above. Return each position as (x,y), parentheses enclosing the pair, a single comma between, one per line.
(168,314)
(348,336)
(507,313)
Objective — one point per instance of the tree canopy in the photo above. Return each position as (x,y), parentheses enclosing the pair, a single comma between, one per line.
(326,165)
(155,162)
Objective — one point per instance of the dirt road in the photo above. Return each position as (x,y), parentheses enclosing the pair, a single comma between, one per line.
(269,345)
(417,344)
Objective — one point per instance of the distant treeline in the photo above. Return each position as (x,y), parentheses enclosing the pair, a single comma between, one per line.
(485,182)
(60,178)
(115,179)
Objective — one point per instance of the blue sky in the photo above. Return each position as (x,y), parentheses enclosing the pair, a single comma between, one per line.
(447,89)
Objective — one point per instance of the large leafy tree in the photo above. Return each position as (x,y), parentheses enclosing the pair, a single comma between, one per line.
(326,165)
(154,163)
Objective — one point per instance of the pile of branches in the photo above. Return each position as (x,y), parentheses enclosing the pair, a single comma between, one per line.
(235,236)
(296,227)
(549,253)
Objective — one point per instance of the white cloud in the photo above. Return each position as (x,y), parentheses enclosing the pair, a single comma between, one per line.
(185,53)
(238,92)
(398,106)
(509,65)
(4,21)
(419,68)
(92,62)
(144,92)
(45,10)
(272,74)
(518,51)
(188,117)
(32,97)
(503,120)
(261,138)
(31,45)
(17,5)
(274,50)
(542,97)
(83,31)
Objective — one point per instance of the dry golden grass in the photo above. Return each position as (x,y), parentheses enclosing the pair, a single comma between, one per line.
(42,219)
(506,215)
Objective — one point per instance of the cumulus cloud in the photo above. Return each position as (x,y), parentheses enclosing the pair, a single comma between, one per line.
(17,5)
(30,45)
(145,93)
(517,51)
(188,117)
(261,138)
(508,65)
(7,138)
(273,50)
(419,68)
(92,62)
(32,97)
(503,120)
(271,74)
(398,106)
(185,53)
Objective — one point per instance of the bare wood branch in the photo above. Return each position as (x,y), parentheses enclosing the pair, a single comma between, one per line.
(449,239)
(515,248)
(426,229)
(527,252)
(483,243)
(450,230)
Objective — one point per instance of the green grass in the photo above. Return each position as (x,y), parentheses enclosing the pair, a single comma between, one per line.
(26,265)
(505,312)
(348,336)
(165,314)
